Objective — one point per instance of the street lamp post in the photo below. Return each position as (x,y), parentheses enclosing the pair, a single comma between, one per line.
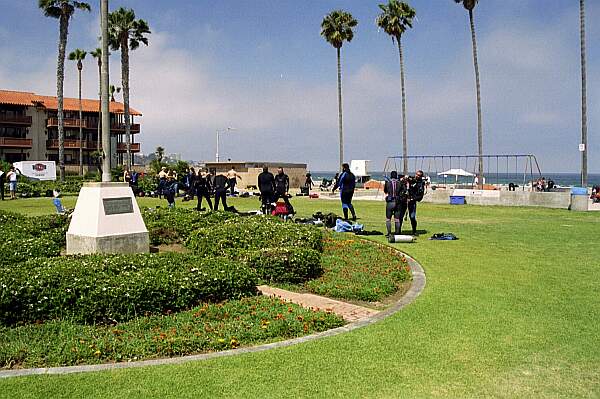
(221,131)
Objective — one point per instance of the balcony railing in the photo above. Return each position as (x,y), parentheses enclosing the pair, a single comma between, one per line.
(85,144)
(122,147)
(10,142)
(90,145)
(16,119)
(70,122)
(67,122)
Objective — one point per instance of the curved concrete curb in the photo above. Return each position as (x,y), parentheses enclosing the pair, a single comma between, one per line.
(416,287)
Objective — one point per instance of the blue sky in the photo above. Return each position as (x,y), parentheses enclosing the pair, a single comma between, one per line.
(262,67)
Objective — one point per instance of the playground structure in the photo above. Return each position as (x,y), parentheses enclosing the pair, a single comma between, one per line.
(498,169)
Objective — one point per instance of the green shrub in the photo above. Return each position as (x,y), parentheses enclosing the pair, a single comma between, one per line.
(255,232)
(98,288)
(170,226)
(283,265)
(15,249)
(23,238)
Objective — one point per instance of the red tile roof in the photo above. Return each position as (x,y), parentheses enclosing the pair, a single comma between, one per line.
(21,98)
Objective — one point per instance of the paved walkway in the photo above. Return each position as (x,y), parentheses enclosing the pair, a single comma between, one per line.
(348,311)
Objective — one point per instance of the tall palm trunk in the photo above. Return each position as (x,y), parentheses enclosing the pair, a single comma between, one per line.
(60,77)
(584,161)
(79,67)
(478,87)
(125,84)
(339,71)
(404,135)
(99,141)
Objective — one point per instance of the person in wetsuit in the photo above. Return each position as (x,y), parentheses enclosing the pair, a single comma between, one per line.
(396,193)
(346,183)
(266,185)
(203,187)
(282,188)
(221,184)
(416,191)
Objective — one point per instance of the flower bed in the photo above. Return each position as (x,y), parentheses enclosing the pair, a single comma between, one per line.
(206,328)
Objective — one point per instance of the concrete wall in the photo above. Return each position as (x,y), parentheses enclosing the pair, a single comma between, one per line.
(560,200)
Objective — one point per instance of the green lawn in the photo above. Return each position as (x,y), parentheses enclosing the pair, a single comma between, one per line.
(512,309)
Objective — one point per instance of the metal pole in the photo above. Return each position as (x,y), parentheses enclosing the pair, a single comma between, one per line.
(104,89)
(584,155)
(217,154)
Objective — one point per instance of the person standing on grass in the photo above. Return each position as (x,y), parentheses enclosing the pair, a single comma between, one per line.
(396,193)
(203,188)
(266,185)
(282,188)
(346,183)
(221,184)
(232,177)
(11,176)
(2,180)
(416,191)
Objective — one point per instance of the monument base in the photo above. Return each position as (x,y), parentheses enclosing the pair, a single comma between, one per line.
(107,219)
(117,244)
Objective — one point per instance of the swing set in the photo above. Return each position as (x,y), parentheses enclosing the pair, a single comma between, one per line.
(498,169)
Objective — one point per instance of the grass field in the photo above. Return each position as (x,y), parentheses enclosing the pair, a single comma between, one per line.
(512,309)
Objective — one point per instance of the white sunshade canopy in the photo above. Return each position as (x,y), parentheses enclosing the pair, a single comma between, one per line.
(455,172)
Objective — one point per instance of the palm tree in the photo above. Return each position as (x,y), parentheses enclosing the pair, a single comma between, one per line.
(112,89)
(79,55)
(126,33)
(97,54)
(469,6)
(63,11)
(395,18)
(584,173)
(336,28)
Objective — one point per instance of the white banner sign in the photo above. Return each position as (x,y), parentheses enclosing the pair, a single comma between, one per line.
(37,170)
(581,147)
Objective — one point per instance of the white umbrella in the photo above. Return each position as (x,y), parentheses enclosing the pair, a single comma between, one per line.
(455,173)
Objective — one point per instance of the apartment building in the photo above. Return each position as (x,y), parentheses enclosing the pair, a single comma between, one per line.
(29,129)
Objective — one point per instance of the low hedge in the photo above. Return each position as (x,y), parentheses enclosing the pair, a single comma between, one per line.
(253,233)
(23,238)
(171,226)
(97,288)
(16,250)
(283,265)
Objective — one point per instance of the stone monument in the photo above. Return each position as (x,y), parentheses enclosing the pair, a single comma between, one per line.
(107,219)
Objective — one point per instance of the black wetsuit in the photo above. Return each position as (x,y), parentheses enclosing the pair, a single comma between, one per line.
(203,188)
(266,185)
(282,186)
(396,194)
(416,191)
(221,184)
(2,181)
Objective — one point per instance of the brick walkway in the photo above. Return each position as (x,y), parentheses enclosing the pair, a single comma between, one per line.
(349,312)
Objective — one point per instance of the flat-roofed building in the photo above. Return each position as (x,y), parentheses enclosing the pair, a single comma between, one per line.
(29,129)
(249,171)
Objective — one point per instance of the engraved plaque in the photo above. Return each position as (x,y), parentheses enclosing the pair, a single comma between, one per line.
(117,206)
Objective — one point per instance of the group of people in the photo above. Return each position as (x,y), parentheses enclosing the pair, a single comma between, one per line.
(402,195)
(541,184)
(273,188)
(11,178)
(201,185)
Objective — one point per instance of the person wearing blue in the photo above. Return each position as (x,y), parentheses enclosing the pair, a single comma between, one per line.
(346,183)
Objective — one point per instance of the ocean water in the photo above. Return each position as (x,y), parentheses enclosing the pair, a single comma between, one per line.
(560,179)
